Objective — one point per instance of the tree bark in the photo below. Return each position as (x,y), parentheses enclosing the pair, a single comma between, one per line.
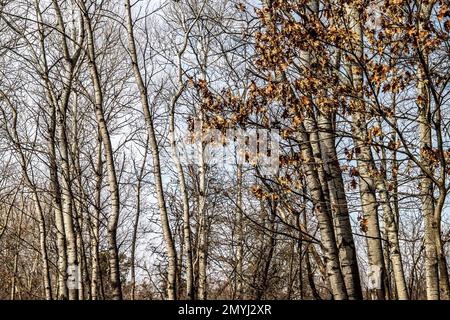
(365,162)
(393,243)
(324,217)
(113,219)
(239,236)
(164,217)
(187,240)
(96,280)
(339,207)
(427,198)
(202,216)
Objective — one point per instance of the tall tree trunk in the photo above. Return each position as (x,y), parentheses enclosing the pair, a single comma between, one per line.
(393,243)
(96,279)
(187,240)
(426,186)
(55,190)
(202,216)
(79,199)
(442,261)
(239,235)
(324,218)
(322,146)
(66,204)
(365,162)
(57,209)
(66,198)
(43,248)
(164,217)
(339,207)
(113,219)
(394,258)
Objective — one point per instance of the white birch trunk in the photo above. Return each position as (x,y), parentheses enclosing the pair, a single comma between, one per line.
(113,219)
(167,233)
